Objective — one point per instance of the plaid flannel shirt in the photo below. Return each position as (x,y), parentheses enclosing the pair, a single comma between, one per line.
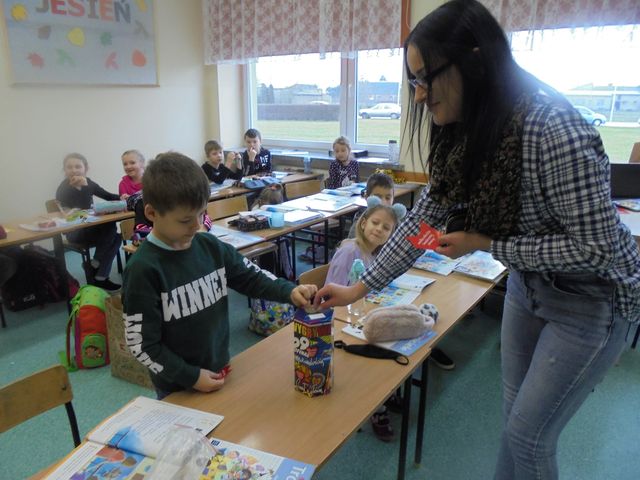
(567,216)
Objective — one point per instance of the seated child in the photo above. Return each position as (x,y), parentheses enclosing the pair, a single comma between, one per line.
(379,185)
(133,164)
(343,171)
(175,295)
(373,229)
(256,160)
(77,191)
(213,167)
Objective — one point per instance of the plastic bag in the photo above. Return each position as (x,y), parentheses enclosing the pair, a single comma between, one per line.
(183,455)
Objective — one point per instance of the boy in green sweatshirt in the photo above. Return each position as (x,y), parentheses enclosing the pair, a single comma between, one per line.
(176,308)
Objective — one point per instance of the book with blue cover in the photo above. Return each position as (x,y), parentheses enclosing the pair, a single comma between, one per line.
(480,264)
(404,347)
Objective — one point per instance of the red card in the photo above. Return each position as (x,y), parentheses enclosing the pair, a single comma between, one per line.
(226,370)
(426,238)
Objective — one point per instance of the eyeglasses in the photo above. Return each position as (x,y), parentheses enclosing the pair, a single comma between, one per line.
(426,80)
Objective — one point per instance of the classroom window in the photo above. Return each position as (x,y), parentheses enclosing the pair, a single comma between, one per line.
(306,100)
(597,70)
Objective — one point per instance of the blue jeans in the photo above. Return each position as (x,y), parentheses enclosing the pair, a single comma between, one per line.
(560,335)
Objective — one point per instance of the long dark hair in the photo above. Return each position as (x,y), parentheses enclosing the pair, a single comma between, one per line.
(465,33)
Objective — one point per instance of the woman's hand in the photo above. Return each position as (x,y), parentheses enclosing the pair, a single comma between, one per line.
(332,295)
(124,196)
(456,244)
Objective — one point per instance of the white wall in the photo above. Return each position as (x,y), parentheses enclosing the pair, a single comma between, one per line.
(40,124)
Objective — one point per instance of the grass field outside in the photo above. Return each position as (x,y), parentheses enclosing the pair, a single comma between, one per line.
(617,140)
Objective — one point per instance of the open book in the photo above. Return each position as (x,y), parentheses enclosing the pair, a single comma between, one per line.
(125,445)
(436,263)
(401,291)
(237,461)
(480,264)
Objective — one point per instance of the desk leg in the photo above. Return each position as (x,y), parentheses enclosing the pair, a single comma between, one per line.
(58,250)
(404,431)
(293,255)
(422,405)
(326,242)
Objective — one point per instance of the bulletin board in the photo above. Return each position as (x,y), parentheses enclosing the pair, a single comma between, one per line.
(101,42)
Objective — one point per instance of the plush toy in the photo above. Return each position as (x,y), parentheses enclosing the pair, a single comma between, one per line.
(398,322)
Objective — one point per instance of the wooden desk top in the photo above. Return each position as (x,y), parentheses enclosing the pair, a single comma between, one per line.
(17,235)
(263,410)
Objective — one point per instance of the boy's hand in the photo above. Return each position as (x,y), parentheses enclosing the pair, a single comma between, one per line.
(251,153)
(209,381)
(230,161)
(301,295)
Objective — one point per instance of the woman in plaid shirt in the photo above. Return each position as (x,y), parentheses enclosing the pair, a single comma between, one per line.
(533,177)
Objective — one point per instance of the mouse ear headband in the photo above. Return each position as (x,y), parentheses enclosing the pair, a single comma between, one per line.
(399,209)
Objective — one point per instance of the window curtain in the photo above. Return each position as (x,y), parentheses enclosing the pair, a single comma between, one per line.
(240,30)
(519,15)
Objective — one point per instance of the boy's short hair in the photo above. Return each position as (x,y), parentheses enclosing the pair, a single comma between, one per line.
(378,180)
(210,146)
(173,180)
(253,133)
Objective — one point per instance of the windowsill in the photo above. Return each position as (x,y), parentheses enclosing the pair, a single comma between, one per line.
(321,160)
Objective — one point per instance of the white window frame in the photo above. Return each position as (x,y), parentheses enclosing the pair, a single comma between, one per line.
(347,116)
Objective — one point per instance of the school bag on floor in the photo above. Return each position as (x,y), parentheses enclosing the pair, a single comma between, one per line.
(37,280)
(267,317)
(87,330)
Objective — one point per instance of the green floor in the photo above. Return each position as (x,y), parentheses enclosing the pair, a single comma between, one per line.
(463,412)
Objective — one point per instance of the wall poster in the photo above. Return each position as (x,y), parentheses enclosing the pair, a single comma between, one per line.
(100,42)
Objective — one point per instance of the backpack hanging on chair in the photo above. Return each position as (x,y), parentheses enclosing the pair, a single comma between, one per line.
(267,317)
(88,326)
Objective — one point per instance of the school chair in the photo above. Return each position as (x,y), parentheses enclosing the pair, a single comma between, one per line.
(302,189)
(315,276)
(227,207)
(51,206)
(36,394)
(126,231)
(634,157)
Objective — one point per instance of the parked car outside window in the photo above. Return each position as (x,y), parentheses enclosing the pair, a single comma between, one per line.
(381,110)
(593,118)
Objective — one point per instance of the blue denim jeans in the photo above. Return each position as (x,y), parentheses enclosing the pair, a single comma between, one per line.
(560,335)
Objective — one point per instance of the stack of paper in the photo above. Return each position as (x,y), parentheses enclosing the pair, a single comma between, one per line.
(234,237)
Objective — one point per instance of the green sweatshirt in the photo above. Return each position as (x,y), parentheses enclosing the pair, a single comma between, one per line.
(176,308)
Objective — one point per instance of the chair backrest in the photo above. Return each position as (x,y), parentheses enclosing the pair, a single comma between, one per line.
(36,394)
(302,189)
(52,206)
(227,207)
(634,157)
(625,180)
(126,229)
(315,276)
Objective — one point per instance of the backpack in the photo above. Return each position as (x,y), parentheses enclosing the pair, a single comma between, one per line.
(267,317)
(37,280)
(88,326)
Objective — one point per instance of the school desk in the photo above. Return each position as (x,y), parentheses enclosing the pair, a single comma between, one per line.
(263,410)
(16,235)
